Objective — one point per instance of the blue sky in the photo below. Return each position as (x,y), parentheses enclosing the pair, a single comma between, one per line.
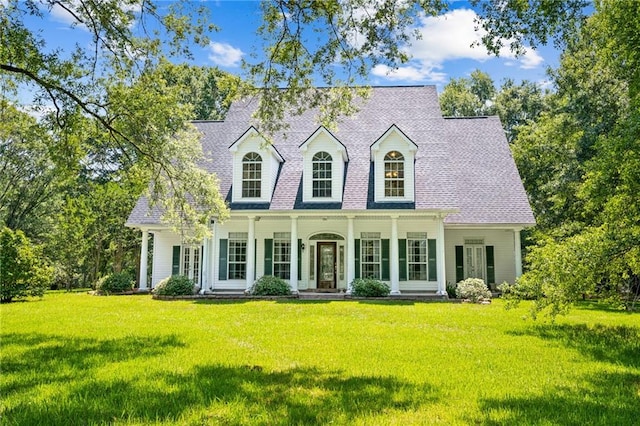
(443,53)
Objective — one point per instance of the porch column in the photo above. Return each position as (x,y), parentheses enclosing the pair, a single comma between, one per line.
(213,270)
(144,252)
(440,260)
(293,266)
(517,251)
(351,254)
(393,257)
(204,275)
(251,247)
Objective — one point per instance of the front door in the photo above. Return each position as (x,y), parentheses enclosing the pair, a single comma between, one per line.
(475,261)
(326,266)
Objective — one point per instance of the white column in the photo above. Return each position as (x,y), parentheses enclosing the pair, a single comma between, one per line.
(205,266)
(214,256)
(393,257)
(440,260)
(293,266)
(251,267)
(144,252)
(351,254)
(517,251)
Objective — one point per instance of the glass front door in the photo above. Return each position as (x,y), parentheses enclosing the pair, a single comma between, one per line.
(475,263)
(326,265)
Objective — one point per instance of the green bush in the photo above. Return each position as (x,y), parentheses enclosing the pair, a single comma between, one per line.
(22,271)
(118,282)
(268,285)
(473,289)
(369,287)
(176,285)
(451,290)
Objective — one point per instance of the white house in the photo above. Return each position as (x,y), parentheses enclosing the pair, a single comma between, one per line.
(397,192)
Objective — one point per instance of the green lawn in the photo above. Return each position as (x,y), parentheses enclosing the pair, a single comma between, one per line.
(72,358)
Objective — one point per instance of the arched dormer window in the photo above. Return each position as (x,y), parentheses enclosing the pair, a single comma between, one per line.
(394,174)
(251,175)
(322,183)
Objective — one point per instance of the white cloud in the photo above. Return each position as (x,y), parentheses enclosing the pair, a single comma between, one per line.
(449,37)
(408,73)
(224,54)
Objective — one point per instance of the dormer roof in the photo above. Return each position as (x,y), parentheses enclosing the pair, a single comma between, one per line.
(253,134)
(411,145)
(323,131)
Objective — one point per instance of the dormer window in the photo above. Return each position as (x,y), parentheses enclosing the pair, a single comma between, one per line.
(251,175)
(393,156)
(321,165)
(394,174)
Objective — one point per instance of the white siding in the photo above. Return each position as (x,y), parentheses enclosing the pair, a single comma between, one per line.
(501,239)
(163,243)
(270,163)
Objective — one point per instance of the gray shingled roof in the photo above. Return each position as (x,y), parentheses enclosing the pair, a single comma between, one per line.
(460,164)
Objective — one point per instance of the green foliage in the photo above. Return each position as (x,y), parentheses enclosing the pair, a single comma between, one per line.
(176,285)
(22,272)
(115,283)
(451,290)
(473,289)
(369,287)
(268,285)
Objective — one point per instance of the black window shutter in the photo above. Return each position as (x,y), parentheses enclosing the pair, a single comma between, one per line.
(222,269)
(175,261)
(384,253)
(432,259)
(491,270)
(299,259)
(402,259)
(268,256)
(459,263)
(357,259)
(255,258)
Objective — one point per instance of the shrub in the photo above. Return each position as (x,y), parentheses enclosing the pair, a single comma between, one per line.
(176,285)
(22,271)
(268,285)
(369,287)
(118,282)
(451,290)
(473,289)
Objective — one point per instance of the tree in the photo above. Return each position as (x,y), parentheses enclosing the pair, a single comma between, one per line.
(599,253)
(30,181)
(22,273)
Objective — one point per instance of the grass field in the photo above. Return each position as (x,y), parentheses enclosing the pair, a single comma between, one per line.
(76,359)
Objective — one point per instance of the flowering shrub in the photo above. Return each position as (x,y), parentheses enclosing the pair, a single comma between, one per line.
(268,285)
(473,289)
(369,287)
(176,285)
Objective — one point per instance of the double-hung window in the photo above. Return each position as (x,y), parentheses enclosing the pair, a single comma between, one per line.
(237,255)
(370,254)
(282,255)
(251,175)
(321,164)
(394,174)
(417,255)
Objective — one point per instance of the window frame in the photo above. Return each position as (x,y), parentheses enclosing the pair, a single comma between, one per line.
(237,256)
(322,175)
(393,172)
(371,268)
(282,255)
(251,175)
(419,258)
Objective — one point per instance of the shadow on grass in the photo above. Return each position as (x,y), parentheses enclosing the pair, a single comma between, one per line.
(49,380)
(606,398)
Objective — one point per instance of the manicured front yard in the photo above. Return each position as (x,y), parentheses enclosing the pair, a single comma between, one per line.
(72,358)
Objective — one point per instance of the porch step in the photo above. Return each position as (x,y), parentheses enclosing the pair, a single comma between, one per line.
(303,295)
